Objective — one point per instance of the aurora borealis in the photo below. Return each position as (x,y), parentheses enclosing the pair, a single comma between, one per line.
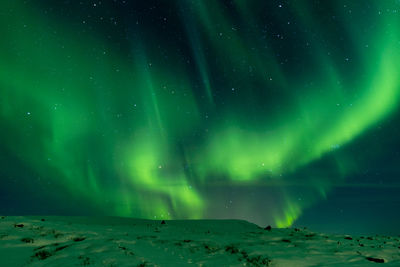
(184,109)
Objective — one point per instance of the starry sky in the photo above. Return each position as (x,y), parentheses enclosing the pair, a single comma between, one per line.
(277,112)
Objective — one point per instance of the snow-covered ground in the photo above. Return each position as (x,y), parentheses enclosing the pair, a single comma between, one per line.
(112,241)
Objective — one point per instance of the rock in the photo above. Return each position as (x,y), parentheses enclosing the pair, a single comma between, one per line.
(42,255)
(27,240)
(268,228)
(376,260)
(79,239)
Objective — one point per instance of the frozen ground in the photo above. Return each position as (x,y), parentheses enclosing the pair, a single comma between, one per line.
(111,241)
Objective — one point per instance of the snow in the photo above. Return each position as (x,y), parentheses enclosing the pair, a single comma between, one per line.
(113,241)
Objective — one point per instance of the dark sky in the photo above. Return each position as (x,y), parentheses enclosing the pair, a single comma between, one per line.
(277,112)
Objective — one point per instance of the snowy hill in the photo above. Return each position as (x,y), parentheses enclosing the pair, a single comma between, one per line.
(112,241)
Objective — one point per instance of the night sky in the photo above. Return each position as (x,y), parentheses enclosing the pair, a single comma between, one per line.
(278,112)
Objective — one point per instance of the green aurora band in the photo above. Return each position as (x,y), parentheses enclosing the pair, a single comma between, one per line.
(122,131)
